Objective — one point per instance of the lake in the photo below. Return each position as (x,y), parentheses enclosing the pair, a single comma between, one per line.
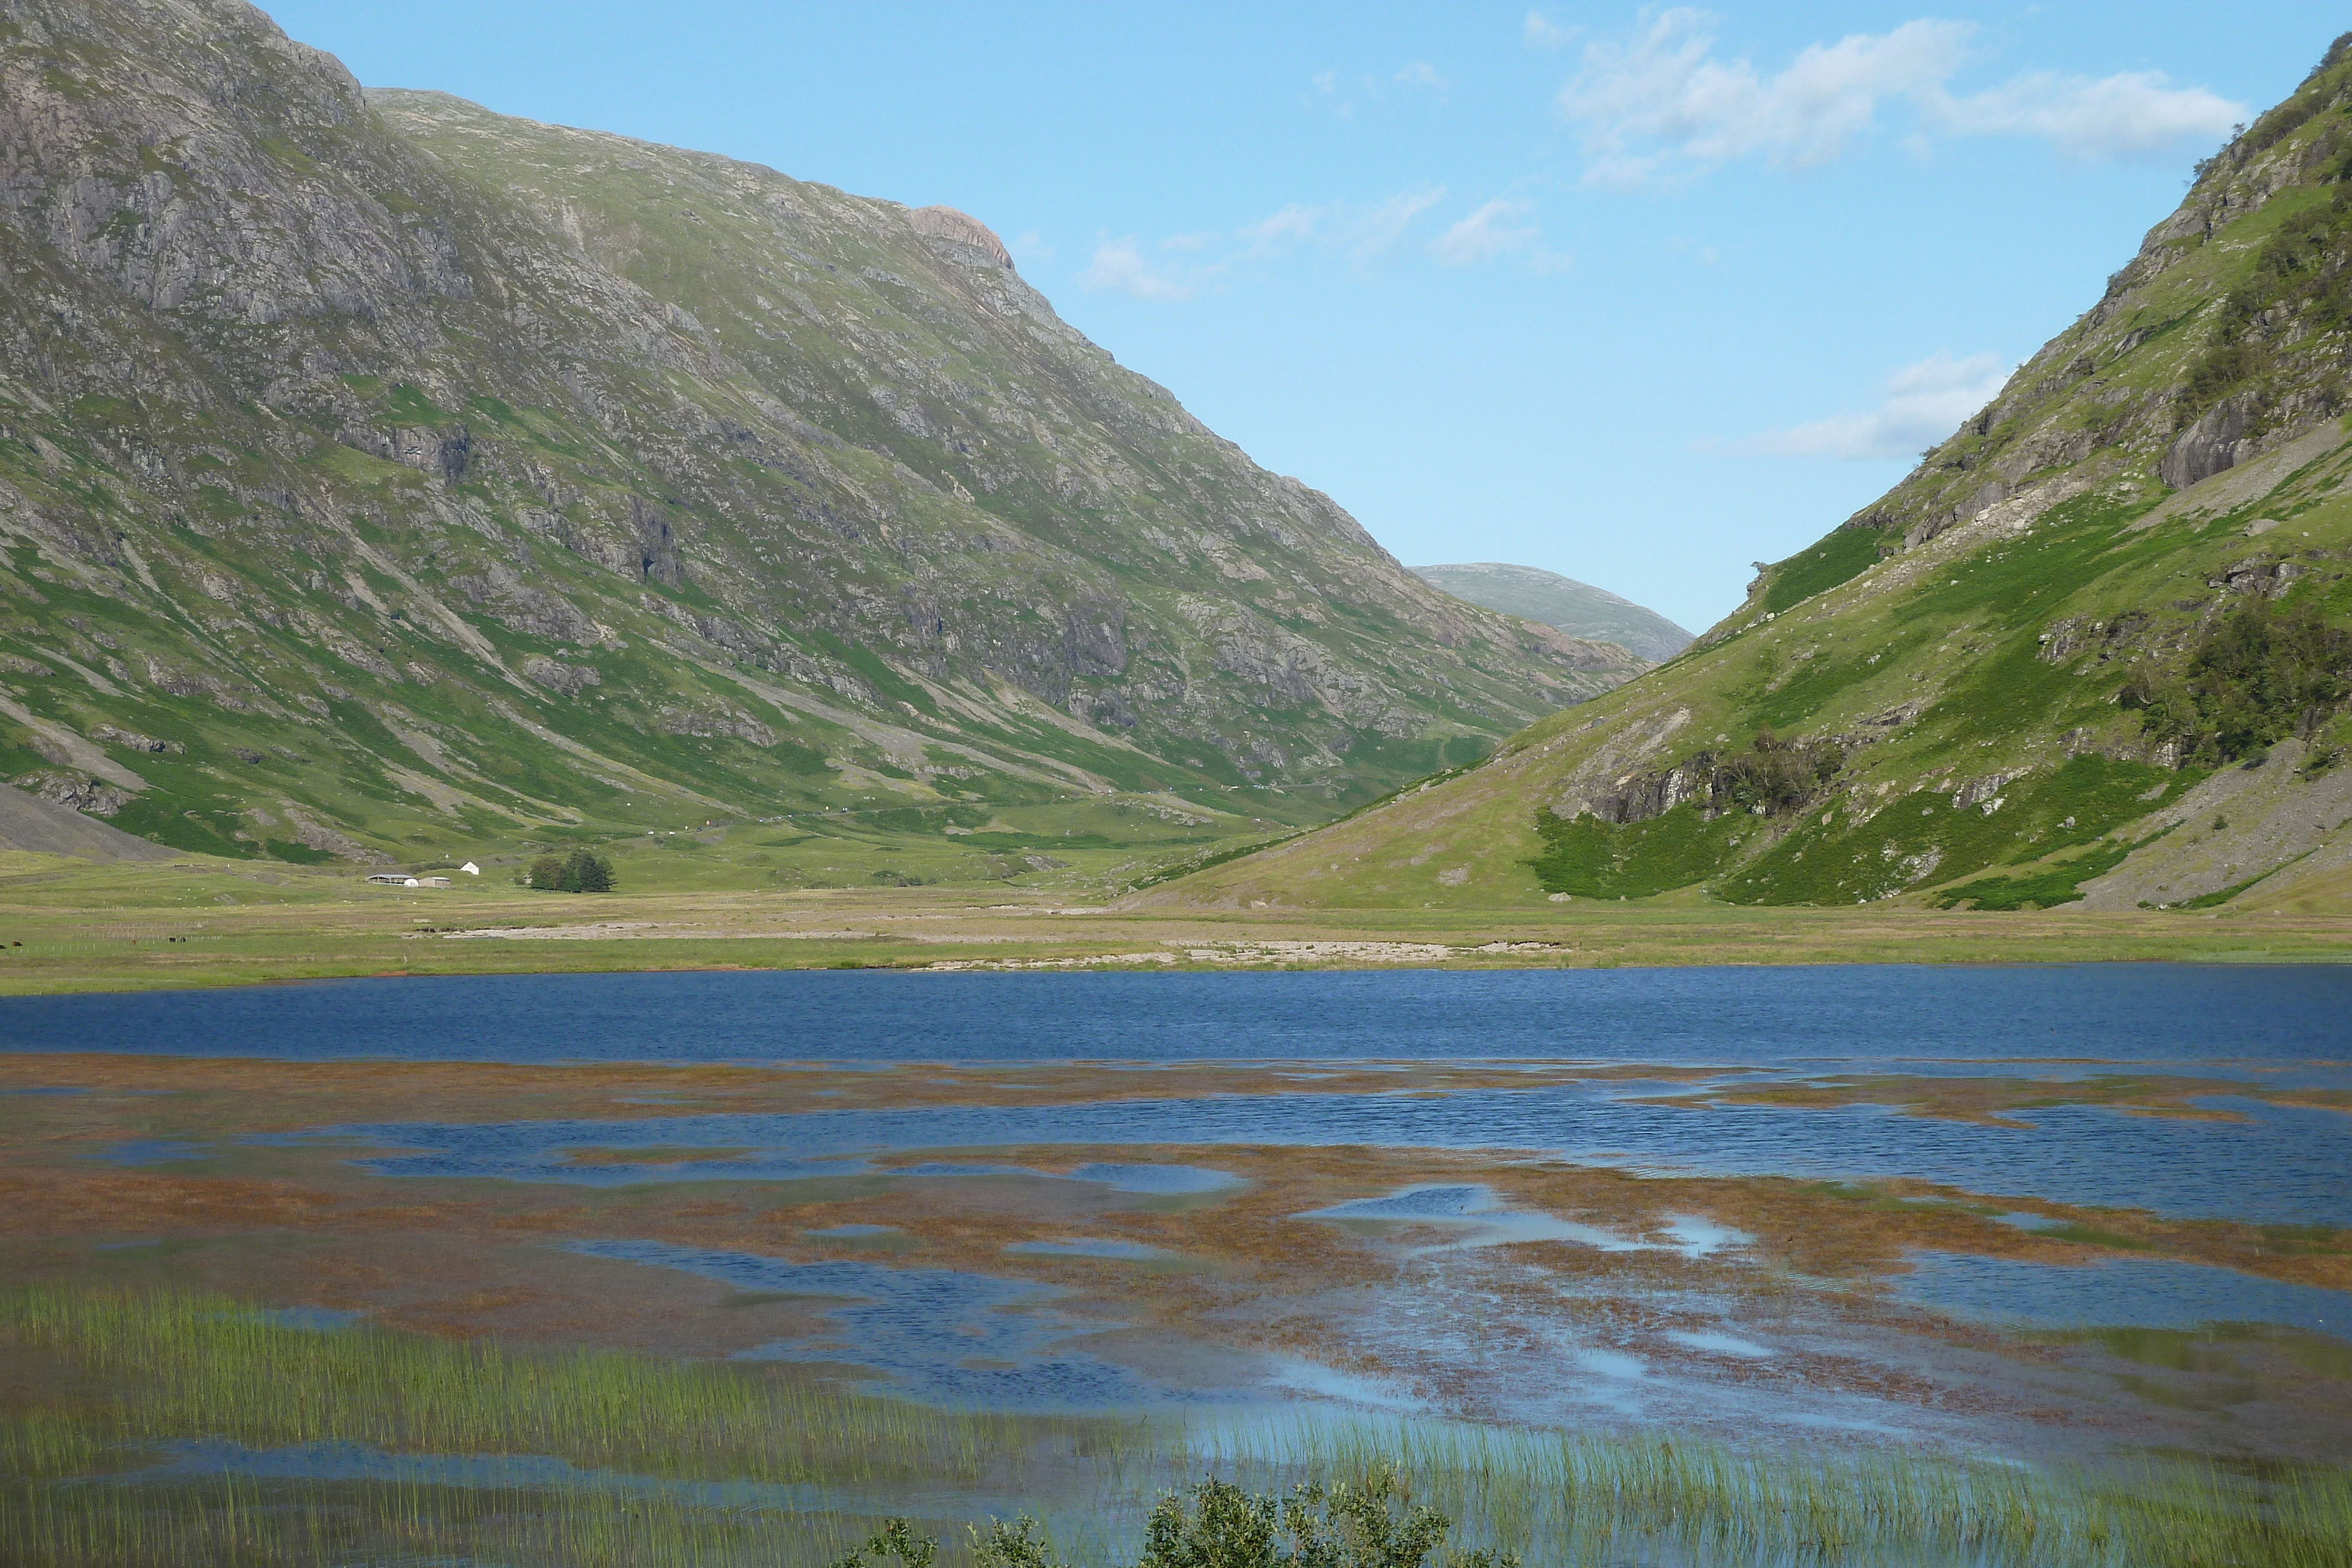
(2066,1213)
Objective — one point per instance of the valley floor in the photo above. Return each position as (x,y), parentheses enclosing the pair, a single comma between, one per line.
(68,926)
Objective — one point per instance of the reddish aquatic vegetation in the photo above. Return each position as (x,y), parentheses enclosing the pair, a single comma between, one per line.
(1992,1102)
(471,1091)
(1249,1274)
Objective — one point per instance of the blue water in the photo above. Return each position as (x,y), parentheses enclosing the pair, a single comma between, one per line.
(937,1334)
(1103,1247)
(2284,1164)
(2127,1292)
(2167,1012)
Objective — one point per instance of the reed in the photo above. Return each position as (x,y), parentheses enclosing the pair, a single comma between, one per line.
(185,1366)
(717,1465)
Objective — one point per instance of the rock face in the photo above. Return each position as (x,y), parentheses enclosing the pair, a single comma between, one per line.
(1576,608)
(2098,646)
(961,229)
(2214,443)
(366,428)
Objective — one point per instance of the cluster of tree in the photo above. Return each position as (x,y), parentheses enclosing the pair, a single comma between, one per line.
(579,872)
(1219,1525)
(2259,675)
(1778,776)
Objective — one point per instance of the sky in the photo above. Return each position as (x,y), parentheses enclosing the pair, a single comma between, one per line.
(1639,295)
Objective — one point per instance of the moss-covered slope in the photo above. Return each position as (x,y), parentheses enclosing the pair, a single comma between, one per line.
(2098,646)
(379,475)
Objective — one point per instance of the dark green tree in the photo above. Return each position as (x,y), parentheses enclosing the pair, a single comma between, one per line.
(587,872)
(2259,675)
(547,871)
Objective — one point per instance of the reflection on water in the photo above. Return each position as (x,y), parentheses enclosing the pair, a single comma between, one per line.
(2134,1292)
(2281,1165)
(937,1334)
(1482,1220)
(1164,1181)
(1090,1247)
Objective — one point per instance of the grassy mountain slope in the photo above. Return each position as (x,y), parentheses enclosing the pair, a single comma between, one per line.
(2098,646)
(382,476)
(1576,608)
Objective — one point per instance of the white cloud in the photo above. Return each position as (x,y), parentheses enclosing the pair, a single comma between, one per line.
(1280,230)
(1487,233)
(1030,245)
(1120,267)
(1326,81)
(1919,406)
(1420,73)
(1384,225)
(1663,103)
(1539,32)
(2130,116)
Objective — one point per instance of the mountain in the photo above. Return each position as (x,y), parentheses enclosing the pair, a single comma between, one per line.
(381,476)
(2097,647)
(1576,608)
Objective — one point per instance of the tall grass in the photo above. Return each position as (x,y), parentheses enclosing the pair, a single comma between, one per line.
(101,1385)
(1562,1497)
(173,1365)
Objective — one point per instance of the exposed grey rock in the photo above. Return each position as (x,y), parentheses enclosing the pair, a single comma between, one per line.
(961,232)
(557,675)
(92,797)
(2215,443)
(712,726)
(110,735)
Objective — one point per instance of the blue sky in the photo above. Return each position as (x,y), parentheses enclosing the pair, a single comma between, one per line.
(1641,295)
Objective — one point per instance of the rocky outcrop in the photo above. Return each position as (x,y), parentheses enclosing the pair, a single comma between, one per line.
(961,232)
(558,676)
(2215,443)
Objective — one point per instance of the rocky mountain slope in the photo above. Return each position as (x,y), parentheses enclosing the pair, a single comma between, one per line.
(381,476)
(1563,603)
(2097,647)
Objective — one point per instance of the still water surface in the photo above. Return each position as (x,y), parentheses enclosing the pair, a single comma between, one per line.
(2146,1012)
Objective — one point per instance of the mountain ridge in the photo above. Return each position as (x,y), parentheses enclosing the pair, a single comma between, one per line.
(2097,647)
(1579,609)
(419,477)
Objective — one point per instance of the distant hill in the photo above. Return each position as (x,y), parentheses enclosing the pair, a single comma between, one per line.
(2097,647)
(1576,608)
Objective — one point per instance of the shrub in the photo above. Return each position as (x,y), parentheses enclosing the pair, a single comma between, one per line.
(582,871)
(587,872)
(2258,675)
